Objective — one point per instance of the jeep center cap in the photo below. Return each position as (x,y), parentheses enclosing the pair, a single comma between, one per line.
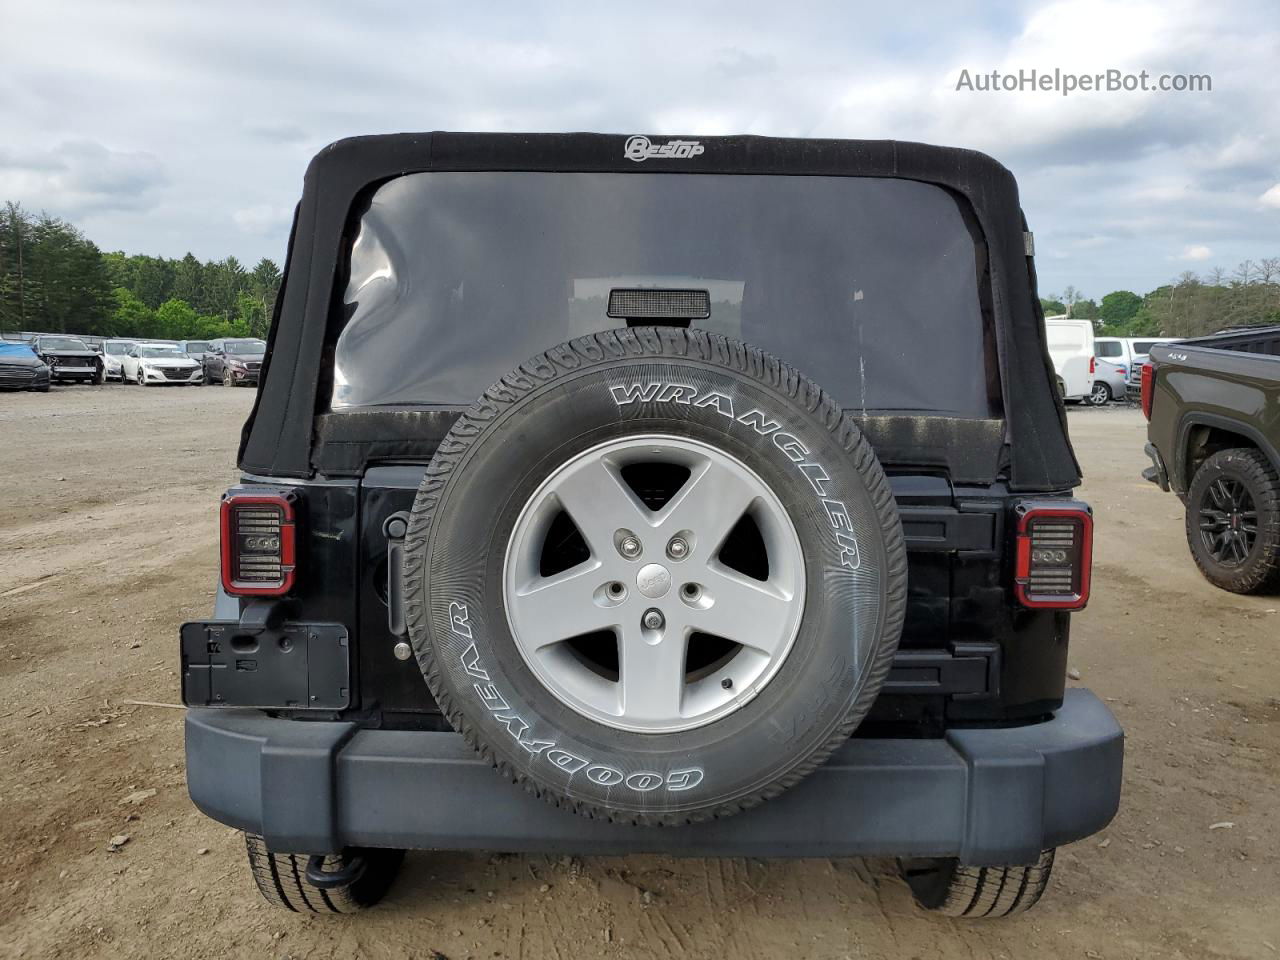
(653,580)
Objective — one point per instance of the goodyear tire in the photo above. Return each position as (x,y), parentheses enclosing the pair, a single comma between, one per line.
(655,575)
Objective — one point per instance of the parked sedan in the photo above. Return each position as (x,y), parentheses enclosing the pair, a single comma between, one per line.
(195,349)
(232,362)
(113,354)
(1108,382)
(148,364)
(21,369)
(70,359)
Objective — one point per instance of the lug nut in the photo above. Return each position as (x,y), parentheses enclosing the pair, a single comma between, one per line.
(629,547)
(653,620)
(678,548)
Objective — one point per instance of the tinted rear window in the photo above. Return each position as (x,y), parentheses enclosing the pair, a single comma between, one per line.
(1109,348)
(870,286)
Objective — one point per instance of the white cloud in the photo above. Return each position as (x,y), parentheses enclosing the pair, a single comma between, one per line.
(1195,252)
(80,177)
(182,130)
(262,219)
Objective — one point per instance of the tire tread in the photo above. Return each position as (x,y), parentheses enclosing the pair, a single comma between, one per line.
(1264,576)
(281,879)
(642,343)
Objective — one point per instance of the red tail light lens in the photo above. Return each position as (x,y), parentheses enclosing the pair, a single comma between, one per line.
(259,546)
(1093,365)
(1148,388)
(1054,555)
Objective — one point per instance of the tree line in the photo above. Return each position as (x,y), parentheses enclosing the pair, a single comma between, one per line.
(1190,306)
(53,279)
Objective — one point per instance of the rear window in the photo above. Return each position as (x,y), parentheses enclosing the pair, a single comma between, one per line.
(874,287)
(1144,346)
(1110,348)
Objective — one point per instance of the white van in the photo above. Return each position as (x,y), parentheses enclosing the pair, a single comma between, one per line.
(1071,349)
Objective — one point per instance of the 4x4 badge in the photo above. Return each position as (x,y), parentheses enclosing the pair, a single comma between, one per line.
(639,148)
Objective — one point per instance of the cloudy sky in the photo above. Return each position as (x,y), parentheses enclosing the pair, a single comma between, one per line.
(172,126)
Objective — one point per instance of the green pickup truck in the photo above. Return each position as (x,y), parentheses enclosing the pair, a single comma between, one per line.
(1213,406)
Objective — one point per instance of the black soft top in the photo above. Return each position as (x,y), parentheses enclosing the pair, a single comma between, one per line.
(278,437)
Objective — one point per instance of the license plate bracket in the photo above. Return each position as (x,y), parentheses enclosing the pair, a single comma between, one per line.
(298,666)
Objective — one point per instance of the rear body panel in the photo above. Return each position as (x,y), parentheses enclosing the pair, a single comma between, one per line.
(959,608)
(1213,384)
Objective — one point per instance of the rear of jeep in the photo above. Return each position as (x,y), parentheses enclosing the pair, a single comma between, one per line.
(598,485)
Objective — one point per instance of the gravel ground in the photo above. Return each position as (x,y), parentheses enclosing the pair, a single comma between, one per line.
(108,538)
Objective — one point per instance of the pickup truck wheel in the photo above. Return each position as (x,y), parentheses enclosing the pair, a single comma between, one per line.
(281,878)
(655,575)
(947,887)
(1233,521)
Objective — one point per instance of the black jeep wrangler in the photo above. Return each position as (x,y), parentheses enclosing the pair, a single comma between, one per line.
(607,495)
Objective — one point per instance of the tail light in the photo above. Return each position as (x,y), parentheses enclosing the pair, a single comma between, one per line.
(1054,554)
(1123,371)
(1093,366)
(258,543)
(1148,388)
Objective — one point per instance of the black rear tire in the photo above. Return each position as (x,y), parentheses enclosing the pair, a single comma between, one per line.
(945,886)
(1249,476)
(282,879)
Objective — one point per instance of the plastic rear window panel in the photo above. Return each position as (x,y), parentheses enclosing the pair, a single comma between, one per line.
(875,287)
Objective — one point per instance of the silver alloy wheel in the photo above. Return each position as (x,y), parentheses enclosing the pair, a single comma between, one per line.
(620,592)
(1101,393)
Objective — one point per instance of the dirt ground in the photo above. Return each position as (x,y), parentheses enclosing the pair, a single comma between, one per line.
(107,543)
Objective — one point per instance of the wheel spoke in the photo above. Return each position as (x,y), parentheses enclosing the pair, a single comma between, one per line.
(1218,491)
(556,608)
(600,503)
(712,501)
(656,683)
(651,675)
(746,611)
(1211,519)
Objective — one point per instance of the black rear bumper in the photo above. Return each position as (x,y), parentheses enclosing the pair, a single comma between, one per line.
(989,796)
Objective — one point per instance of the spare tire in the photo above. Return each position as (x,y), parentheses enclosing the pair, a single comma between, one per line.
(655,575)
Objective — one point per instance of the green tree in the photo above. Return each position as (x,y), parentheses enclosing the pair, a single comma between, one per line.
(1052,307)
(66,284)
(1119,307)
(265,285)
(188,281)
(1085,310)
(132,317)
(176,320)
